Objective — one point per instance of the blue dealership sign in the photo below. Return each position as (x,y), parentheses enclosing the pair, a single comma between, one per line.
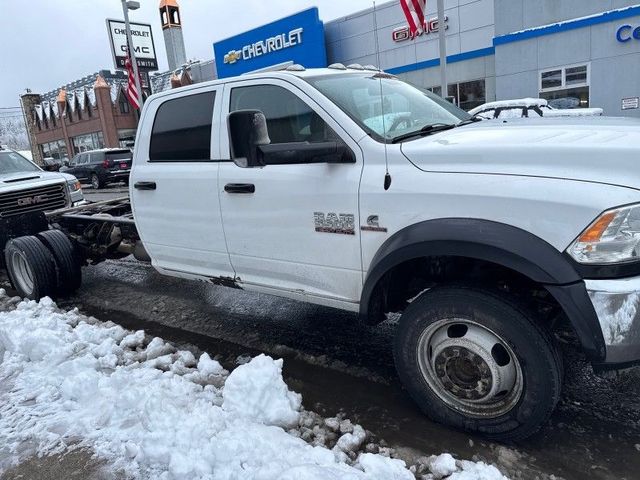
(626,33)
(298,38)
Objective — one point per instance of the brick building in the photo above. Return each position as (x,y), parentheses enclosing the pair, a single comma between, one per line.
(91,113)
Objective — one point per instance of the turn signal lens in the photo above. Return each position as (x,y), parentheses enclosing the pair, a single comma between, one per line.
(595,231)
(74,185)
(613,238)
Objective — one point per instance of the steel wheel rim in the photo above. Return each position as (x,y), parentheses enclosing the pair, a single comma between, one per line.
(22,272)
(470,367)
(95,182)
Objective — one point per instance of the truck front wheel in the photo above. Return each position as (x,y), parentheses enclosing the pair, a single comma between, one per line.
(477,360)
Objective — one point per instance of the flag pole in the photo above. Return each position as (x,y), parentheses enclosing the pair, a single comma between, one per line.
(132,53)
(443,50)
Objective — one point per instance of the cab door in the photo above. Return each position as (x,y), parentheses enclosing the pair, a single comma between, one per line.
(173,184)
(292,228)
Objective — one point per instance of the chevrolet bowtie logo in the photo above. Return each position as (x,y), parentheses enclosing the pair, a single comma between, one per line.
(232,57)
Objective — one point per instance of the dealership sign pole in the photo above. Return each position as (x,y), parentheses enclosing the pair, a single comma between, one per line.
(132,53)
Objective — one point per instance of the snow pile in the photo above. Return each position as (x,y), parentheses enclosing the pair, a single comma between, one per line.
(69,381)
(573,112)
(257,391)
(443,465)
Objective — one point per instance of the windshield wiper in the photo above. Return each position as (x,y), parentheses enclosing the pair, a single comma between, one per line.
(468,121)
(426,130)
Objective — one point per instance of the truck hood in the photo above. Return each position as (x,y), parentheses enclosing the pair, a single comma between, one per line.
(591,149)
(12,181)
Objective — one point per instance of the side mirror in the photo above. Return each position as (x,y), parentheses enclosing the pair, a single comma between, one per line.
(247,132)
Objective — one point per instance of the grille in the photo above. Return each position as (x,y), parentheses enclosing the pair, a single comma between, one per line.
(37,199)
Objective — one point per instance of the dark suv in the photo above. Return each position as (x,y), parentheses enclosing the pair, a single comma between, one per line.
(100,167)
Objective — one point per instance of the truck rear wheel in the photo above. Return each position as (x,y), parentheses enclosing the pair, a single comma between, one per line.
(68,265)
(31,267)
(478,361)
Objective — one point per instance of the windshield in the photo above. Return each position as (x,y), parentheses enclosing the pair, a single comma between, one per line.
(11,162)
(403,109)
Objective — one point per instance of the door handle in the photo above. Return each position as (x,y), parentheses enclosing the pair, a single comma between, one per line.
(240,188)
(145,185)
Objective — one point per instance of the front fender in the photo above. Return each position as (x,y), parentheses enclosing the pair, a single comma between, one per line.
(500,244)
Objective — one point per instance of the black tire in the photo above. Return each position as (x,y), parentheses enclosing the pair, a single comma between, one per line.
(29,252)
(68,264)
(96,183)
(538,360)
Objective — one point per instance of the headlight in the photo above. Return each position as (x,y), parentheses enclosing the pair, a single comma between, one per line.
(613,238)
(73,185)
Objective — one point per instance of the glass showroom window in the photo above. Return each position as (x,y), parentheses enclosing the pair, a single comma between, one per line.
(90,141)
(57,150)
(467,95)
(566,87)
(126,137)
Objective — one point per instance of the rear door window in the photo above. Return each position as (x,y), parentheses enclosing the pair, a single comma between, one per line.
(182,129)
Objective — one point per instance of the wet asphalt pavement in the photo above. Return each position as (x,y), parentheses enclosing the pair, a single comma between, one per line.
(340,365)
(110,192)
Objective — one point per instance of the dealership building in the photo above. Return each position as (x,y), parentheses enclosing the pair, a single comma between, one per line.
(574,53)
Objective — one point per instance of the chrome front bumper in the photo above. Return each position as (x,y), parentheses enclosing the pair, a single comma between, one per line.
(617,305)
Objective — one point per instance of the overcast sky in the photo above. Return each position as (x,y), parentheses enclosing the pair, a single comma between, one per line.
(47,43)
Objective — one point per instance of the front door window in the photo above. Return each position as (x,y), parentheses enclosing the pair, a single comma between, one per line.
(289,119)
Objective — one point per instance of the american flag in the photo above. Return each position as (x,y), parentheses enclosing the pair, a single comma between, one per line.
(132,91)
(414,10)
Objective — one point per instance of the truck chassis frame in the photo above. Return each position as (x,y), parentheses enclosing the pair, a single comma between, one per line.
(100,230)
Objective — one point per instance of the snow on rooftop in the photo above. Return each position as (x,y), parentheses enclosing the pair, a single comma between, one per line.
(38,110)
(114,89)
(514,103)
(81,96)
(572,20)
(91,94)
(71,100)
(152,411)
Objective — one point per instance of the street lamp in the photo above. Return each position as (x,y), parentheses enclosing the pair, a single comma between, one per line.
(126,6)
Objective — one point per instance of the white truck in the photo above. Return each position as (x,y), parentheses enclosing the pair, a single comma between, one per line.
(349,188)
